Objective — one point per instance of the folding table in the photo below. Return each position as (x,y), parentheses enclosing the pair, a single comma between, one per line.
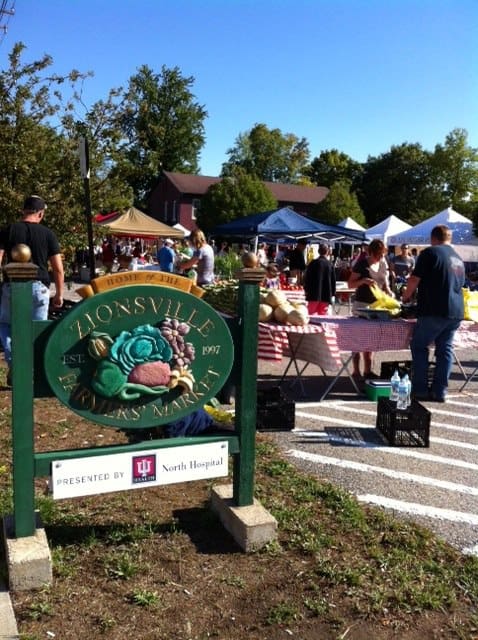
(310,343)
(319,349)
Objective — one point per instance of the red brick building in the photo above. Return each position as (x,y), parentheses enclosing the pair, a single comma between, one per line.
(177,196)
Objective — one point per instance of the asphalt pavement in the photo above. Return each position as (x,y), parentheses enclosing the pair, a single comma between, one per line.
(337,440)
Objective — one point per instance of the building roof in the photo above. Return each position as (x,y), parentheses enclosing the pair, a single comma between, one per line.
(190,183)
(198,185)
(296,193)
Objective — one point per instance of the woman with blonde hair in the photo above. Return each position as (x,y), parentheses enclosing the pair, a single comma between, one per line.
(369,270)
(202,259)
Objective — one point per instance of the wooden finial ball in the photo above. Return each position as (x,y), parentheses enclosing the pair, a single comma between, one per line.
(250,259)
(21,253)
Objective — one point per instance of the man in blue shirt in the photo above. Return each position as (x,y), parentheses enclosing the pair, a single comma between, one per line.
(166,256)
(438,277)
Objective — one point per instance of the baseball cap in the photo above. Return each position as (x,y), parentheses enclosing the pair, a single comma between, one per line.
(169,242)
(34,203)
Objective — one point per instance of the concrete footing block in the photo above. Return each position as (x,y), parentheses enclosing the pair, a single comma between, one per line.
(28,559)
(252,527)
(8,624)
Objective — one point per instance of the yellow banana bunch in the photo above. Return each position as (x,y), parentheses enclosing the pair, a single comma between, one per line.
(383,300)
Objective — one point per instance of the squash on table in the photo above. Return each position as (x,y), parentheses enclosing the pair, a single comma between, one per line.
(281,312)
(265,312)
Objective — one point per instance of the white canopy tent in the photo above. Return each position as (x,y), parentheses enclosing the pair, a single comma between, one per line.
(467,252)
(350,223)
(180,227)
(388,227)
(463,240)
(462,229)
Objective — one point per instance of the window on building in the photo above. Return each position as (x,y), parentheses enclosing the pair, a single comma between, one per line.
(174,217)
(196,203)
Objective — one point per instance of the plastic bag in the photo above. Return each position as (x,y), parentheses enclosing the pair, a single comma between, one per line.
(470,298)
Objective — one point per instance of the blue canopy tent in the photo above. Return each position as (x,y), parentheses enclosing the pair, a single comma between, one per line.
(284,225)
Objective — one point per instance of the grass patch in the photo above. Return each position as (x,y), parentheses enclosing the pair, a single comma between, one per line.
(158,558)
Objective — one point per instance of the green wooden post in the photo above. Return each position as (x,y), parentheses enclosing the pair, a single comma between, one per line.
(246,400)
(22,409)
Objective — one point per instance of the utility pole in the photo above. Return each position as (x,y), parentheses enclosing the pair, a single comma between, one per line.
(5,12)
(85,173)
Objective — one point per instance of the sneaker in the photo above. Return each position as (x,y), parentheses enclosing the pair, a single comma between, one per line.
(434,398)
(421,396)
(428,397)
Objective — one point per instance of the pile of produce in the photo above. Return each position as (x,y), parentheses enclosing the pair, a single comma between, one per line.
(223,296)
(285,286)
(275,306)
(384,302)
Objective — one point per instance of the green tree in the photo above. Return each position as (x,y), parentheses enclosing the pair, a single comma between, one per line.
(398,182)
(456,171)
(333,166)
(162,126)
(269,155)
(34,155)
(234,197)
(101,126)
(340,203)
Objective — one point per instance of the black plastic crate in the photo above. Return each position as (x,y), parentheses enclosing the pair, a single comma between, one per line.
(275,412)
(403,428)
(280,418)
(270,397)
(387,369)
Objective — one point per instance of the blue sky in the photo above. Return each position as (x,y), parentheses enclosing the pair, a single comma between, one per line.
(355,75)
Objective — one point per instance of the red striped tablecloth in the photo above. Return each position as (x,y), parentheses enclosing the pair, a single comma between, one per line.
(294,295)
(311,343)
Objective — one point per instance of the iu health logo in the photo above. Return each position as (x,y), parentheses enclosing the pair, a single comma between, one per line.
(144,468)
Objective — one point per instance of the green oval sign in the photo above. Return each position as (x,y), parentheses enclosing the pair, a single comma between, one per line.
(138,356)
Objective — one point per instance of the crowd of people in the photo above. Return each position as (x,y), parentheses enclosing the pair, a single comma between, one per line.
(433,279)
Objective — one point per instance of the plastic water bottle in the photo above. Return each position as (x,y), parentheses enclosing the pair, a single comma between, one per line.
(394,382)
(402,401)
(409,389)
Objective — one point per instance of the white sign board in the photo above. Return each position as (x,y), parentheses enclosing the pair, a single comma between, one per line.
(123,471)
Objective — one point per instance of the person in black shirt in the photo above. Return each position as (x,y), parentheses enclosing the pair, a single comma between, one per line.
(438,278)
(319,282)
(44,247)
(297,261)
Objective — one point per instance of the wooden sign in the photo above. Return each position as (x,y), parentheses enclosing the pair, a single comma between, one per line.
(138,356)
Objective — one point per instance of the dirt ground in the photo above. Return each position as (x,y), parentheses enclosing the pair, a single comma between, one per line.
(156,564)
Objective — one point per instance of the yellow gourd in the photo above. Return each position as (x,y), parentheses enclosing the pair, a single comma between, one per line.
(281,312)
(298,317)
(275,298)
(265,312)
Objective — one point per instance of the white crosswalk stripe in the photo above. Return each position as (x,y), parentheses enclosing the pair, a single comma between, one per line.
(438,486)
